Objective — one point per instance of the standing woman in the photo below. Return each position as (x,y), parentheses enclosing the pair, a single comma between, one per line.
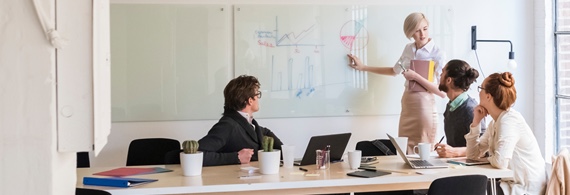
(508,140)
(418,119)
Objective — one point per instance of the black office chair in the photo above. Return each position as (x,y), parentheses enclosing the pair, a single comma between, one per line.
(150,151)
(83,160)
(85,191)
(465,185)
(172,157)
(379,147)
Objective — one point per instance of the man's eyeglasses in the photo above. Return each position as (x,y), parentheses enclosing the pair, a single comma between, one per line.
(479,88)
(258,94)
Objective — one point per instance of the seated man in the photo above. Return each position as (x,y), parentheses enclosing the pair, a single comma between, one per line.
(236,137)
(456,78)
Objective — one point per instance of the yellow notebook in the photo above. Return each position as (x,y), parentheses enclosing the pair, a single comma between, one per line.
(425,68)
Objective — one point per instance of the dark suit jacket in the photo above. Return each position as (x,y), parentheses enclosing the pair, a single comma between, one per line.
(231,134)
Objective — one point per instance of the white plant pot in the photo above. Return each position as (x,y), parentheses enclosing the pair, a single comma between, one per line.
(191,163)
(269,161)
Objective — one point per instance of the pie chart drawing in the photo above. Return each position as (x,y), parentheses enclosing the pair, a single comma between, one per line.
(353,35)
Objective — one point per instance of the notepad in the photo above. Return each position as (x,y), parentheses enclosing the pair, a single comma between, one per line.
(128,171)
(469,162)
(116,181)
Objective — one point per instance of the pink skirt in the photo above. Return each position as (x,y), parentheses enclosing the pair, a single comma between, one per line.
(418,120)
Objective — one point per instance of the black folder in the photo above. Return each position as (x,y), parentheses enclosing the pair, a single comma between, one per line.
(368,174)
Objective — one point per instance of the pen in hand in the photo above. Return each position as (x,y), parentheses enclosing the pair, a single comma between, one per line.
(439,142)
(401,66)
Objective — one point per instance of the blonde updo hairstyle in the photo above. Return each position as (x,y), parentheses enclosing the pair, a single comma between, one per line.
(411,23)
(502,87)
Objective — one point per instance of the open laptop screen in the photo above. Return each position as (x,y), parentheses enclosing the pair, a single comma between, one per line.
(337,142)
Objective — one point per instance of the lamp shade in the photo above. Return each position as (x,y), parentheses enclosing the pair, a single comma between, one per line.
(512,64)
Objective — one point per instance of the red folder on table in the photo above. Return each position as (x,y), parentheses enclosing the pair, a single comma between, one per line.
(127,171)
(425,68)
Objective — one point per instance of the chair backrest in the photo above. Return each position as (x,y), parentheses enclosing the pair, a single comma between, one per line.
(172,157)
(369,149)
(465,185)
(558,182)
(150,151)
(83,160)
(85,191)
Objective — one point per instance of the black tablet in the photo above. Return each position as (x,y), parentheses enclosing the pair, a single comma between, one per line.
(368,174)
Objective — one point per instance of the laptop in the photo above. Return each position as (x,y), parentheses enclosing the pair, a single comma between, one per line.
(337,142)
(418,164)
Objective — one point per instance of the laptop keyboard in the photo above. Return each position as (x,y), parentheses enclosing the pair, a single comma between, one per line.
(421,163)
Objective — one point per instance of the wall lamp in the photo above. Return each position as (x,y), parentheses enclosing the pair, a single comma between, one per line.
(512,63)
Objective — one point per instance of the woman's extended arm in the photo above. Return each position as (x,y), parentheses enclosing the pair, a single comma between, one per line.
(355,63)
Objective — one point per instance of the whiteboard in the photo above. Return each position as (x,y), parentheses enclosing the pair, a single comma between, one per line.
(169,62)
(298,52)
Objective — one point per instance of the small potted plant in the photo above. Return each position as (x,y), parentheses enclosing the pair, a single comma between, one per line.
(268,158)
(191,159)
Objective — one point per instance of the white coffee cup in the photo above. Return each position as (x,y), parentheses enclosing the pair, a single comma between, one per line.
(424,150)
(354,158)
(288,152)
(403,143)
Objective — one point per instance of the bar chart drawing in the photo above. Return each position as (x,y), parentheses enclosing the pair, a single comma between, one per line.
(301,82)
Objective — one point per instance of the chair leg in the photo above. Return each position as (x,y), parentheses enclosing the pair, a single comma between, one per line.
(494,187)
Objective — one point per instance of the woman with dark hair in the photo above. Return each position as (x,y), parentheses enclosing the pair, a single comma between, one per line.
(508,140)
(456,78)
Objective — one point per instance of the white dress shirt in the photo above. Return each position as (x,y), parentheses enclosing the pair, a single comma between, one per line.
(429,52)
(511,144)
(247,117)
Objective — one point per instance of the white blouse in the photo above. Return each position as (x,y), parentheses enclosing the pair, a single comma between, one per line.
(510,144)
(429,52)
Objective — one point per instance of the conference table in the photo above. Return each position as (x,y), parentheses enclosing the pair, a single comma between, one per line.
(232,179)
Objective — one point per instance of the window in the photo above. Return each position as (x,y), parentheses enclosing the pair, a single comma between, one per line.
(562,68)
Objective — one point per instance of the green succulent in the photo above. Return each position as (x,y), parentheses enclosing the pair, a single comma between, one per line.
(267,144)
(190,146)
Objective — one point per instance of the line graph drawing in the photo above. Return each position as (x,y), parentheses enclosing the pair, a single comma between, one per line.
(296,39)
(354,35)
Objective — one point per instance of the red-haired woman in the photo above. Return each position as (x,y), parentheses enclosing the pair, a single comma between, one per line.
(509,141)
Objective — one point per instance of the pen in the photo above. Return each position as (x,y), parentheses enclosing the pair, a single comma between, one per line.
(401,66)
(303,169)
(439,143)
(368,169)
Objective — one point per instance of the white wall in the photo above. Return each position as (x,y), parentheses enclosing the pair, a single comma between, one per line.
(28,145)
(544,108)
(494,20)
